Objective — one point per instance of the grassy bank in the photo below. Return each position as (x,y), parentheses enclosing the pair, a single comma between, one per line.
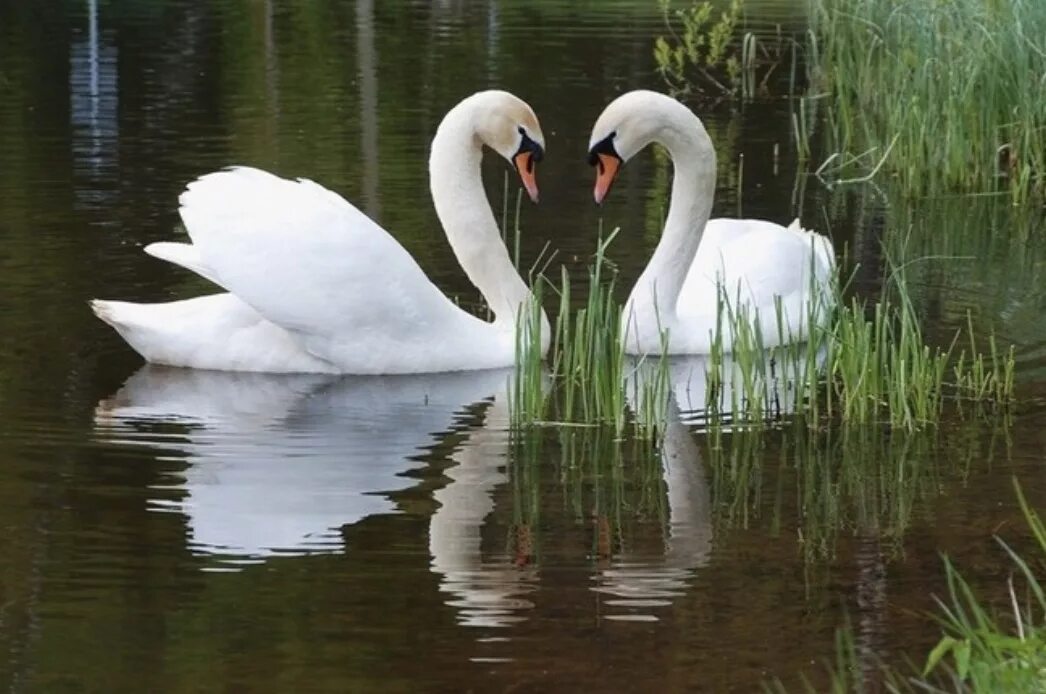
(939,95)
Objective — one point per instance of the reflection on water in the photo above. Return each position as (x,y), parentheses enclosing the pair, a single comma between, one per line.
(357,537)
(647,576)
(277,465)
(486,589)
(280,465)
(93,101)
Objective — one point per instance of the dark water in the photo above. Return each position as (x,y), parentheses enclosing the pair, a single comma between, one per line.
(175,531)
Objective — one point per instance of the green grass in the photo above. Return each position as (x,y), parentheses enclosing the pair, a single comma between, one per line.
(868,364)
(590,381)
(979,649)
(937,95)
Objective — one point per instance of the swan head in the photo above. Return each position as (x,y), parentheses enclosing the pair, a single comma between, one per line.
(507,125)
(631,122)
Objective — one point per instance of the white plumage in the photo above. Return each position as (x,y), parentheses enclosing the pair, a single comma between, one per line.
(314,285)
(757,268)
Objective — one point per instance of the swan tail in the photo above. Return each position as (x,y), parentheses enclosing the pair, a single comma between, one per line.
(143,326)
(217,331)
(183,254)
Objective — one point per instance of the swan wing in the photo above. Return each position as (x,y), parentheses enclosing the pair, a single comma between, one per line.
(183,254)
(310,262)
(757,261)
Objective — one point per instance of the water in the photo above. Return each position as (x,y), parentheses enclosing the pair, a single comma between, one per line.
(167,530)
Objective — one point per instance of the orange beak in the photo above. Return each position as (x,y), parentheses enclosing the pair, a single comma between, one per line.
(525,166)
(607,168)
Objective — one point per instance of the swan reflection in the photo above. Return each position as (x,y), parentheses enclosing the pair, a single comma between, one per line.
(279,464)
(638,579)
(487,589)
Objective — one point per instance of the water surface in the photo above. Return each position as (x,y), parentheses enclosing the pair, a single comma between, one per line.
(168,530)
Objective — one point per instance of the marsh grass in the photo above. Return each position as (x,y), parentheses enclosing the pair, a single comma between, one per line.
(862,363)
(980,651)
(590,380)
(938,95)
(868,364)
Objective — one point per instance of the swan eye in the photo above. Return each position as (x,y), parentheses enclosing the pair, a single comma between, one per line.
(604,146)
(526,144)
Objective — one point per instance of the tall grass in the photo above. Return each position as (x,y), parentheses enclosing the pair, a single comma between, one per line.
(591,381)
(868,364)
(939,95)
(862,363)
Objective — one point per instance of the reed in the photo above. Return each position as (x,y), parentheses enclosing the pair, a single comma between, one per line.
(938,95)
(590,380)
(869,363)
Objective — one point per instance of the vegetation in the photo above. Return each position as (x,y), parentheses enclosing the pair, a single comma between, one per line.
(589,370)
(939,95)
(870,364)
(701,51)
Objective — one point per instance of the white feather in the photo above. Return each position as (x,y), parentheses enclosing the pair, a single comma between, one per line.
(315,285)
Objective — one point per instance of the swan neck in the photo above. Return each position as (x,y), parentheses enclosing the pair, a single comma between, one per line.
(468,221)
(693,189)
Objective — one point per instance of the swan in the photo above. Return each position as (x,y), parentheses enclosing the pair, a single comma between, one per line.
(313,285)
(756,265)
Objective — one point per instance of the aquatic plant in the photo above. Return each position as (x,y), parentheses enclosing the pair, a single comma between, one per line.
(591,378)
(868,364)
(985,655)
(702,51)
(939,95)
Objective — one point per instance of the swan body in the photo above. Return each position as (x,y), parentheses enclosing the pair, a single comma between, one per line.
(314,285)
(703,270)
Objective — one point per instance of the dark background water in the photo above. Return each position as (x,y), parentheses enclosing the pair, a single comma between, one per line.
(164,530)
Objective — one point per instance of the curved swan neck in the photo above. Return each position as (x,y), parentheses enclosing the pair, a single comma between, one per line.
(463,210)
(693,189)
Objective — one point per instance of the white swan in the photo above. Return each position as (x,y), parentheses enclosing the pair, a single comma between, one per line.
(755,263)
(313,285)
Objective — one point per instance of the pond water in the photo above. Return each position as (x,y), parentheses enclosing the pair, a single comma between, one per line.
(166,530)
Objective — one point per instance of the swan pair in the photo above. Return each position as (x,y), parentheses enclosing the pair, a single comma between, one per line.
(314,285)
